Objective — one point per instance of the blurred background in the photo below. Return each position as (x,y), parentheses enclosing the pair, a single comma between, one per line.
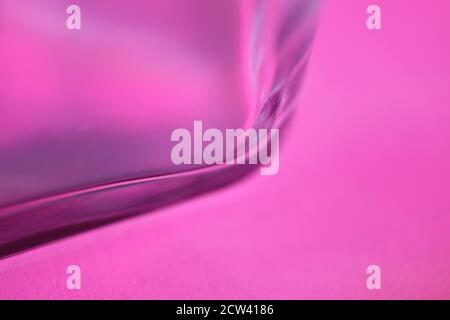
(364,179)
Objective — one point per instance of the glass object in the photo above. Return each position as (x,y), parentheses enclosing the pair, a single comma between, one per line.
(86,115)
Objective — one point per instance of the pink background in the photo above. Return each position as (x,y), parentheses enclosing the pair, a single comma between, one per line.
(364,179)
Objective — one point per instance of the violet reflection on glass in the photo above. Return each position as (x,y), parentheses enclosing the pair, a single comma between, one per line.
(86,115)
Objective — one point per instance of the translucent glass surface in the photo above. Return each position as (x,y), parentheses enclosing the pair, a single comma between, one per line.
(86,115)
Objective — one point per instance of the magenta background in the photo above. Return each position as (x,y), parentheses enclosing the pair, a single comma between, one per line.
(364,179)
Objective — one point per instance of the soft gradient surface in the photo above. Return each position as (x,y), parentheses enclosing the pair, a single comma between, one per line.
(364,179)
